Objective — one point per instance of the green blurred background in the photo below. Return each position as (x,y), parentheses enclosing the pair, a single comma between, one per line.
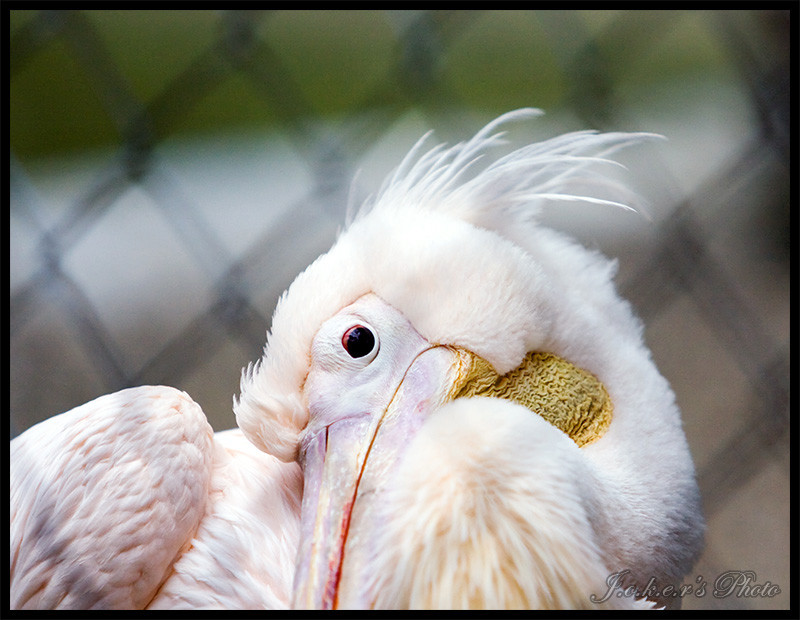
(338,63)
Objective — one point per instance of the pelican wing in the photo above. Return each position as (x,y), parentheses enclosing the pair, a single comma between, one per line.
(104,499)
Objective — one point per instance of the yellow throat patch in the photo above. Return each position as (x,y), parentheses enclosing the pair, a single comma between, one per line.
(568,397)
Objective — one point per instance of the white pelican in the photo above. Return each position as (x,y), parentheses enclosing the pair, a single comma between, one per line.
(459,397)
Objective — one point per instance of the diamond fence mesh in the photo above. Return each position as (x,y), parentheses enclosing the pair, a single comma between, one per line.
(158,257)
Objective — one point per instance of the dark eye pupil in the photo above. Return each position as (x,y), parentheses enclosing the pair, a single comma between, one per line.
(358,341)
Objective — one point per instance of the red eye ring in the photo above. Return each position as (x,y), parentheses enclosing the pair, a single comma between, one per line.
(358,341)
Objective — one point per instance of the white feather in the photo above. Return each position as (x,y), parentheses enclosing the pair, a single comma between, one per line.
(456,250)
(129,502)
(429,203)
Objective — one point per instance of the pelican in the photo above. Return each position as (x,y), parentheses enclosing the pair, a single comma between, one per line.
(454,409)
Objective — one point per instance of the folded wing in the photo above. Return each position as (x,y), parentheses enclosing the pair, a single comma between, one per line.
(105,498)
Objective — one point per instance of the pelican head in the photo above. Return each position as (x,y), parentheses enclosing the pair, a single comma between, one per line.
(472,405)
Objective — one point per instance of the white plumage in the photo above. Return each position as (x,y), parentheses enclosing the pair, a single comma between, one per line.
(130,501)
(412,497)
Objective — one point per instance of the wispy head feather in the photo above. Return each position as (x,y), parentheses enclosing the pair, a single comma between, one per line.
(517,185)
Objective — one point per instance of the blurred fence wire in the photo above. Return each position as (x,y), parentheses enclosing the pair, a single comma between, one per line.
(697,269)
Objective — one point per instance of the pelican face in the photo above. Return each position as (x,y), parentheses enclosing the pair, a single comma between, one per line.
(373,381)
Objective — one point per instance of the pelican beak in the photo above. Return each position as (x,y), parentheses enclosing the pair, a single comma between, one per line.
(346,468)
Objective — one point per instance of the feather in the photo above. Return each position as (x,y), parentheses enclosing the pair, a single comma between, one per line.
(531,176)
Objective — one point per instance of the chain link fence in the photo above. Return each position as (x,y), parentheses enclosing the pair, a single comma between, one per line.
(202,166)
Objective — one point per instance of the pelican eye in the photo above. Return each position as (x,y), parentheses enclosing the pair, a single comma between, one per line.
(358,341)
